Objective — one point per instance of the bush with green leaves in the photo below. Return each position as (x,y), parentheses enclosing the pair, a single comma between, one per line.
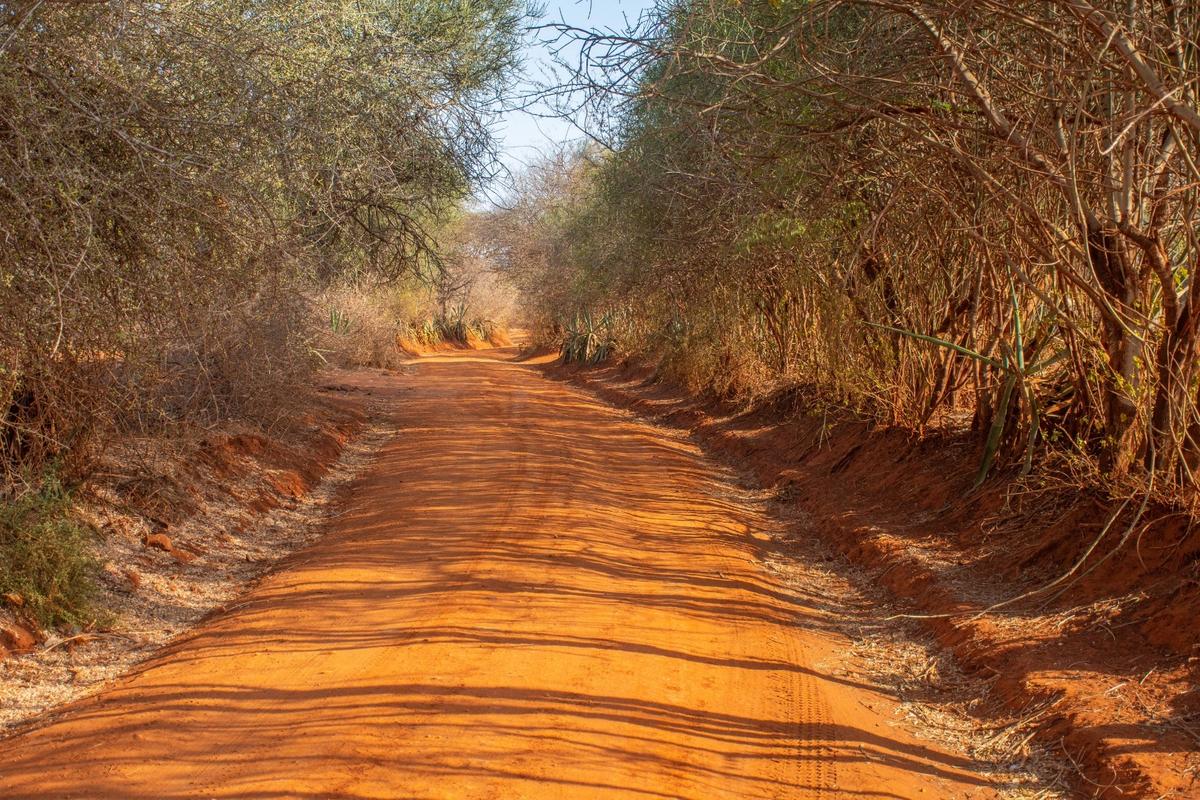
(927,213)
(46,555)
(176,179)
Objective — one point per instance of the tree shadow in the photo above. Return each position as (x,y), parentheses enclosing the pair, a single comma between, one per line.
(528,595)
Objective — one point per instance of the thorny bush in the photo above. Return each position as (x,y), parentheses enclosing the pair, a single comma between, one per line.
(924,211)
(176,178)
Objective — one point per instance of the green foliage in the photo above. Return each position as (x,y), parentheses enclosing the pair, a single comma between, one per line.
(1017,369)
(452,326)
(587,341)
(456,328)
(339,321)
(428,332)
(46,555)
(802,194)
(178,177)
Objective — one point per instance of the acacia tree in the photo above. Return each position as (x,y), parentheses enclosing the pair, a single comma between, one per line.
(174,176)
(917,208)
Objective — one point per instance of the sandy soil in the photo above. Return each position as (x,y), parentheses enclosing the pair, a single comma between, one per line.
(528,595)
(236,502)
(1102,678)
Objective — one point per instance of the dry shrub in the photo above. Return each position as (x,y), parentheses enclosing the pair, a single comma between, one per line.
(464,302)
(381,325)
(493,305)
(238,362)
(176,178)
(369,326)
(981,213)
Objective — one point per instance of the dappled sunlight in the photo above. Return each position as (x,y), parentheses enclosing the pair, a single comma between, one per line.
(529,595)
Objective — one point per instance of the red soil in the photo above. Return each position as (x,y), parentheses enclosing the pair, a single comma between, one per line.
(527,595)
(1107,667)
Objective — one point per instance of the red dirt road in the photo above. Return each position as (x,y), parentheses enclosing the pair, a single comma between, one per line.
(528,595)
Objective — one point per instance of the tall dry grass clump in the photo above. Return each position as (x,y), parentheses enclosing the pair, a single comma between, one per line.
(465,302)
(372,326)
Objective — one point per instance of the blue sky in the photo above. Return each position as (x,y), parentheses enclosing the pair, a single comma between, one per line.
(524,135)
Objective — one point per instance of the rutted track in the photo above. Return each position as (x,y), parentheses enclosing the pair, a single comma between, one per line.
(528,595)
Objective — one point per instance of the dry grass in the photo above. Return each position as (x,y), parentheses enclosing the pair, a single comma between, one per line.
(937,701)
(367,328)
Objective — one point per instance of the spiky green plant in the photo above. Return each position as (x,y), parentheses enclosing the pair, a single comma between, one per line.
(452,325)
(1017,368)
(586,341)
(339,321)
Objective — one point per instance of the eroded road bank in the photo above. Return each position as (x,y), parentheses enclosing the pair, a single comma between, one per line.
(528,595)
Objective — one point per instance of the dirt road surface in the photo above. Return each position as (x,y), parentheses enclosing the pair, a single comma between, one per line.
(528,595)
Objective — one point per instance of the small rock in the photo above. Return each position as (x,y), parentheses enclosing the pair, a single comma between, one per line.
(159,541)
(16,639)
(14,599)
(135,580)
